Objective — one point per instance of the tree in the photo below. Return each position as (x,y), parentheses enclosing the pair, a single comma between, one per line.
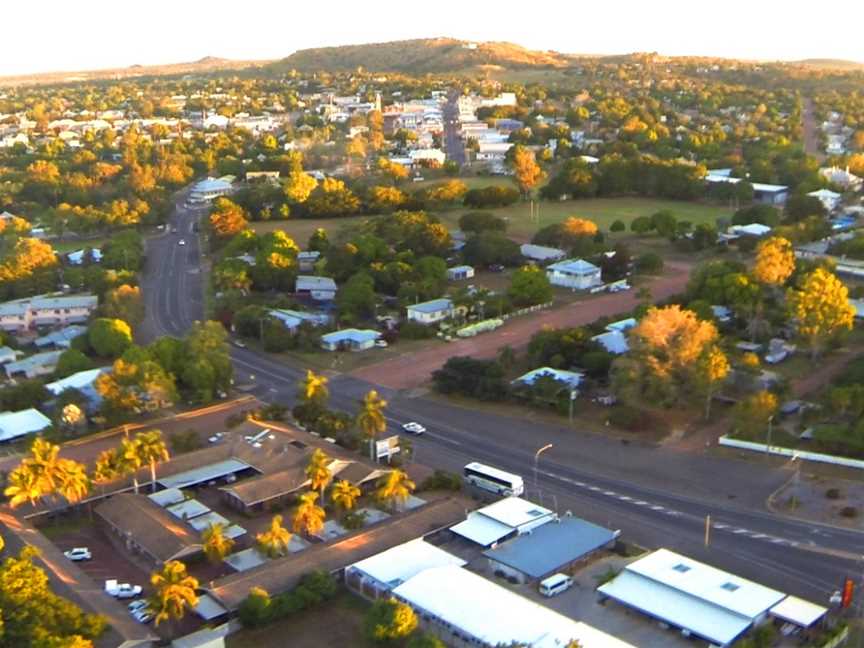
(275,540)
(425,640)
(526,172)
(753,414)
(43,473)
(713,370)
(299,186)
(313,389)
(476,222)
(255,609)
(529,286)
(356,298)
(227,218)
(308,516)
(394,488)
(216,544)
(799,207)
(345,495)
(71,361)
(134,382)
(388,620)
(124,302)
(29,269)
(109,337)
(821,308)
(318,471)
(208,369)
(579,227)
(775,261)
(174,592)
(371,418)
(151,449)
(129,460)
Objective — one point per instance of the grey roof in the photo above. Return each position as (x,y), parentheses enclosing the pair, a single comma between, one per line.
(432,306)
(293,318)
(61,337)
(64,301)
(540,252)
(310,282)
(44,360)
(203,474)
(574,267)
(551,545)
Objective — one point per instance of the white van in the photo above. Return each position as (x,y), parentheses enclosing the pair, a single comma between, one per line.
(555,584)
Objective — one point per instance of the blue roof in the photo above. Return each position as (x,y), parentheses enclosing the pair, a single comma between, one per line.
(622,325)
(550,546)
(350,335)
(574,266)
(294,318)
(613,341)
(460,268)
(432,306)
(61,337)
(571,378)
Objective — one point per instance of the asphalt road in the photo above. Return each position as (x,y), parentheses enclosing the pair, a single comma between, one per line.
(656,496)
(454,147)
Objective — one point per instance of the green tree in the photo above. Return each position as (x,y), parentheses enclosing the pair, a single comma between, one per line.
(389,620)
(216,544)
(275,540)
(151,449)
(109,337)
(208,369)
(255,609)
(356,298)
(529,286)
(821,308)
(71,361)
(173,592)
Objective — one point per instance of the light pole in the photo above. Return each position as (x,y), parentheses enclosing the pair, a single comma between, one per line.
(768,439)
(536,461)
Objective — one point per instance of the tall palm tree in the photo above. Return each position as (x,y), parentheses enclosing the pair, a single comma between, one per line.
(72,481)
(371,418)
(174,592)
(313,388)
(108,466)
(23,486)
(274,541)
(43,461)
(309,517)
(216,544)
(130,460)
(345,494)
(151,450)
(318,471)
(395,488)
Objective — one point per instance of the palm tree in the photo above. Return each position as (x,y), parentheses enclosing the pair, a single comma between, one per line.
(313,388)
(44,473)
(371,418)
(72,481)
(151,449)
(43,460)
(174,592)
(23,486)
(216,544)
(309,517)
(318,471)
(345,494)
(274,542)
(129,460)
(108,466)
(395,488)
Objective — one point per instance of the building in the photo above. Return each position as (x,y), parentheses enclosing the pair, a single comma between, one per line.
(569,379)
(466,610)
(39,364)
(21,315)
(842,178)
(306,260)
(541,253)
(351,339)
(18,424)
(427,156)
(376,577)
(558,546)
(770,194)
(830,199)
(506,518)
(292,319)
(458,273)
(756,230)
(575,274)
(615,342)
(8,355)
(208,190)
(430,312)
(318,288)
(702,601)
(61,339)
(84,382)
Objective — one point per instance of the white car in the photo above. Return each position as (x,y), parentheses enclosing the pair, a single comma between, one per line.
(78,554)
(216,438)
(414,428)
(138,605)
(121,590)
(381,344)
(181,242)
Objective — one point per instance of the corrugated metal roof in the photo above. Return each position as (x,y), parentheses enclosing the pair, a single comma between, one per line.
(18,424)
(798,611)
(397,565)
(432,306)
(203,474)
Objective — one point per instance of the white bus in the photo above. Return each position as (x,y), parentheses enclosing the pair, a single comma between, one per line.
(494,480)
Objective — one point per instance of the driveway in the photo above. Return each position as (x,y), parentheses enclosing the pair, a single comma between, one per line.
(412,370)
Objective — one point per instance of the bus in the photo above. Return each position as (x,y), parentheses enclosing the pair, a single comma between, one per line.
(493,479)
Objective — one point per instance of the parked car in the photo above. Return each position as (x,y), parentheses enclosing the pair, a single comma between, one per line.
(78,553)
(496,267)
(216,438)
(381,344)
(121,590)
(137,604)
(143,615)
(240,344)
(414,428)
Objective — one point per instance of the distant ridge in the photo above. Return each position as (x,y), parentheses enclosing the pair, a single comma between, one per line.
(419,56)
(836,64)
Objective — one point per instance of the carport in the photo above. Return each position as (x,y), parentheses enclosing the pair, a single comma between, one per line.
(483,530)
(205,474)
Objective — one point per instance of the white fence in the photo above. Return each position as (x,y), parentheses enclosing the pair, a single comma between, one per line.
(789,452)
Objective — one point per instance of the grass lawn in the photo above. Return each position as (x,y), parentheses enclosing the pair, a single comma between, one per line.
(300,229)
(603,211)
(65,525)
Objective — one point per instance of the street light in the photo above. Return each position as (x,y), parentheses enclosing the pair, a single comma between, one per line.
(768,439)
(536,460)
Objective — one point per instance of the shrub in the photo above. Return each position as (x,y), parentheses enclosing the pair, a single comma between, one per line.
(442,480)
(186,441)
(649,263)
(256,608)
(412,330)
(849,512)
(617,226)
(389,619)
(626,417)
(833,493)
(273,412)
(354,520)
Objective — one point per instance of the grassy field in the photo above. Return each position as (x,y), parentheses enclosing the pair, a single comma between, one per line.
(300,229)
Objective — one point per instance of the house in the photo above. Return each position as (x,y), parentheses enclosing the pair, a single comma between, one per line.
(39,364)
(842,178)
(569,379)
(292,319)
(208,190)
(22,315)
(770,194)
(615,342)
(575,274)
(756,230)
(351,339)
(428,155)
(723,314)
(541,253)
(61,339)
(704,602)
(78,257)
(18,424)
(778,351)
(457,273)
(830,199)
(506,518)
(431,311)
(493,151)
(306,260)
(465,609)
(8,355)
(555,547)
(84,382)
(318,288)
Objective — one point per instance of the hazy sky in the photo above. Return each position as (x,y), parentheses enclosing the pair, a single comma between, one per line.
(62,35)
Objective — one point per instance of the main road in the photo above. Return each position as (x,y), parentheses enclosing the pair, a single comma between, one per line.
(656,496)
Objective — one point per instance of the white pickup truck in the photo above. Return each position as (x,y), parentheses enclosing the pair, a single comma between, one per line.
(121,590)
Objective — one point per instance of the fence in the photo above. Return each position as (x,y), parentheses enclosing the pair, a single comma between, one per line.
(525,311)
(790,452)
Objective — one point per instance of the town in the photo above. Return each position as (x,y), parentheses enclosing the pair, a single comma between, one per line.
(433,343)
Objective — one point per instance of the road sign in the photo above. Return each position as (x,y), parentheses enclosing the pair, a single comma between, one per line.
(387,447)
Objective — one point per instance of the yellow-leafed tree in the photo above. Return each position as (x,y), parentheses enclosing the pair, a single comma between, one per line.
(526,172)
(712,370)
(775,261)
(821,308)
(580,226)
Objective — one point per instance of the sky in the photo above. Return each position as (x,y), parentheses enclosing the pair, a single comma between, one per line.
(95,34)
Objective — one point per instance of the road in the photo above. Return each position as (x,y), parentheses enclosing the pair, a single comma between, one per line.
(656,496)
(454,147)
(810,128)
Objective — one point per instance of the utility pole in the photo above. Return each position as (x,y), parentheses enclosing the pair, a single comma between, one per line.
(707,529)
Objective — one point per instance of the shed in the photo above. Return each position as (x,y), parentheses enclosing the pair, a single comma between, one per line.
(798,611)
(541,253)
(457,273)
(614,342)
(17,424)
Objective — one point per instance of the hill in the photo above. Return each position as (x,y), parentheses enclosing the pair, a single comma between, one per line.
(420,56)
(830,64)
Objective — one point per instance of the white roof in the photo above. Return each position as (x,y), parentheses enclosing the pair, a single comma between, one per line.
(16,424)
(187,509)
(168,496)
(825,194)
(481,529)
(753,229)
(613,341)
(402,562)
(75,381)
(798,611)
(202,522)
(493,614)
(515,511)
(540,252)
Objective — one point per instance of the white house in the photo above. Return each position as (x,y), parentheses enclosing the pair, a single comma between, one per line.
(829,199)
(46,310)
(208,190)
(350,340)
(430,312)
(756,230)
(458,273)
(842,178)
(418,156)
(506,518)
(490,151)
(575,274)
